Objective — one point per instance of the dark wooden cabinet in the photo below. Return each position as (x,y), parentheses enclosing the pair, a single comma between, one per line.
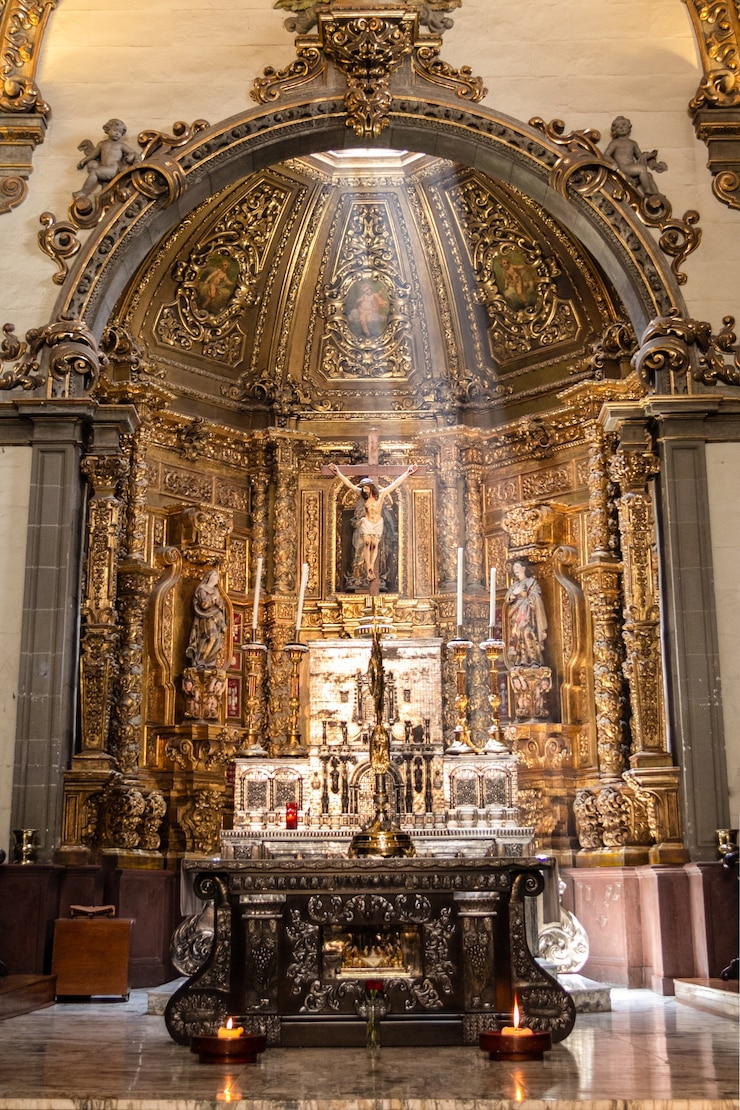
(91,956)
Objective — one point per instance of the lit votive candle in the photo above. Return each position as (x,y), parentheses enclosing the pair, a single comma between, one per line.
(230,1031)
(515,1030)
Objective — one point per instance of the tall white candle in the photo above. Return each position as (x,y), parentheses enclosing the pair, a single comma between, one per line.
(460,571)
(492,606)
(257,587)
(301,596)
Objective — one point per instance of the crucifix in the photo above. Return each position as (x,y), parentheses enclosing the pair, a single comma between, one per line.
(369,524)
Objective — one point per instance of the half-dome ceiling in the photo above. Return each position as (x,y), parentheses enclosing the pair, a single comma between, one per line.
(368,282)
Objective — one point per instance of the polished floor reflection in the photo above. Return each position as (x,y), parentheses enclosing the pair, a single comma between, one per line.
(116,1056)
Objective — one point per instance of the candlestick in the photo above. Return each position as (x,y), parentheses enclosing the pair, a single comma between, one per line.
(256,654)
(493,649)
(492,606)
(463,738)
(257,586)
(460,571)
(295,653)
(301,597)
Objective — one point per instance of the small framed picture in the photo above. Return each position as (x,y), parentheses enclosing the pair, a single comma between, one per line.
(233,697)
(236,659)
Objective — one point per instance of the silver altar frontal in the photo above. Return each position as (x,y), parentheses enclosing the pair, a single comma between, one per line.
(295,943)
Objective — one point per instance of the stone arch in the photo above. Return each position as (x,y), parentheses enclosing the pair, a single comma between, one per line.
(213,157)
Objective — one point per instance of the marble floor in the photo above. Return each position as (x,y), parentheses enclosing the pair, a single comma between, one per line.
(647,1053)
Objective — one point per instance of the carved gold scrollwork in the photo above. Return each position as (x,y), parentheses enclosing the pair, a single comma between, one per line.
(516,283)
(201,753)
(70,350)
(218,280)
(589,825)
(201,821)
(310,63)
(525,524)
(685,347)
(657,790)
(583,168)
(716,103)
(158,176)
(641,632)
(121,816)
(615,346)
(461,81)
(24,111)
(26,374)
(368,49)
(58,240)
(367,304)
(161,178)
(615,816)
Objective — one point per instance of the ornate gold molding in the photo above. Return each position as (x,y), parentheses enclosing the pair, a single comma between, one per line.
(715,107)
(367,43)
(158,177)
(582,167)
(23,111)
(53,355)
(674,347)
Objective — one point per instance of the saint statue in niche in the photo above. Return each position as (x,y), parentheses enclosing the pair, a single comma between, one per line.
(367,308)
(209,624)
(526,620)
(516,279)
(215,282)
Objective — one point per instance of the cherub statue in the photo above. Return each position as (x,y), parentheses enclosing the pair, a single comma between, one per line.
(105,160)
(627,155)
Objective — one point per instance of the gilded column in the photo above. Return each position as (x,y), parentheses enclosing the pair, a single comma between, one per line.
(286,576)
(641,629)
(448,523)
(260,481)
(602,586)
(99,639)
(135,579)
(285,552)
(652,778)
(475,568)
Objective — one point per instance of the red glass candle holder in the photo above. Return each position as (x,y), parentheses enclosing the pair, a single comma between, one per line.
(291,815)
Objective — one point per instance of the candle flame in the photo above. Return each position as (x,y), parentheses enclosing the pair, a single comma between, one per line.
(515,1014)
(229,1023)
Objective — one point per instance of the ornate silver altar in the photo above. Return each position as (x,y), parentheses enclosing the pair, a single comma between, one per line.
(295,941)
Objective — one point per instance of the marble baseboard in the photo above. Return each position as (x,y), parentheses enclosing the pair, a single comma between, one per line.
(714,996)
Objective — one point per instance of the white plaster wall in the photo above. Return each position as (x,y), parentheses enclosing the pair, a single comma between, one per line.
(15,476)
(153,62)
(723,468)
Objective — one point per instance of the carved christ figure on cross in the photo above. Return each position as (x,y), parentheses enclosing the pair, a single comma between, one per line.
(371,523)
